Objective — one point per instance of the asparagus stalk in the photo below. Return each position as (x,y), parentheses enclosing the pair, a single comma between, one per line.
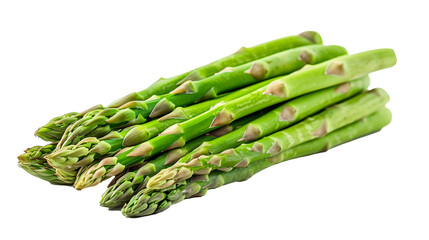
(90,149)
(149,201)
(312,78)
(311,128)
(94,173)
(55,128)
(189,92)
(268,123)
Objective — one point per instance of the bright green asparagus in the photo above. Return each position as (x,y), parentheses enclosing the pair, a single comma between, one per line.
(275,120)
(124,186)
(281,117)
(54,129)
(90,149)
(311,128)
(189,92)
(148,201)
(34,162)
(93,171)
(312,78)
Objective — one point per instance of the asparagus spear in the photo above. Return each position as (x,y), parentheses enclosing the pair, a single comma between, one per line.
(189,92)
(93,174)
(311,128)
(312,78)
(55,128)
(89,149)
(273,121)
(149,201)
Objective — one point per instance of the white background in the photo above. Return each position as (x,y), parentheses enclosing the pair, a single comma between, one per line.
(62,56)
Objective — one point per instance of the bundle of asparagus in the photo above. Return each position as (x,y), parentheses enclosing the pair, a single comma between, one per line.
(216,124)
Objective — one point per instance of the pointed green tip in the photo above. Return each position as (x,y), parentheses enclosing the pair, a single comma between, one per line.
(48,134)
